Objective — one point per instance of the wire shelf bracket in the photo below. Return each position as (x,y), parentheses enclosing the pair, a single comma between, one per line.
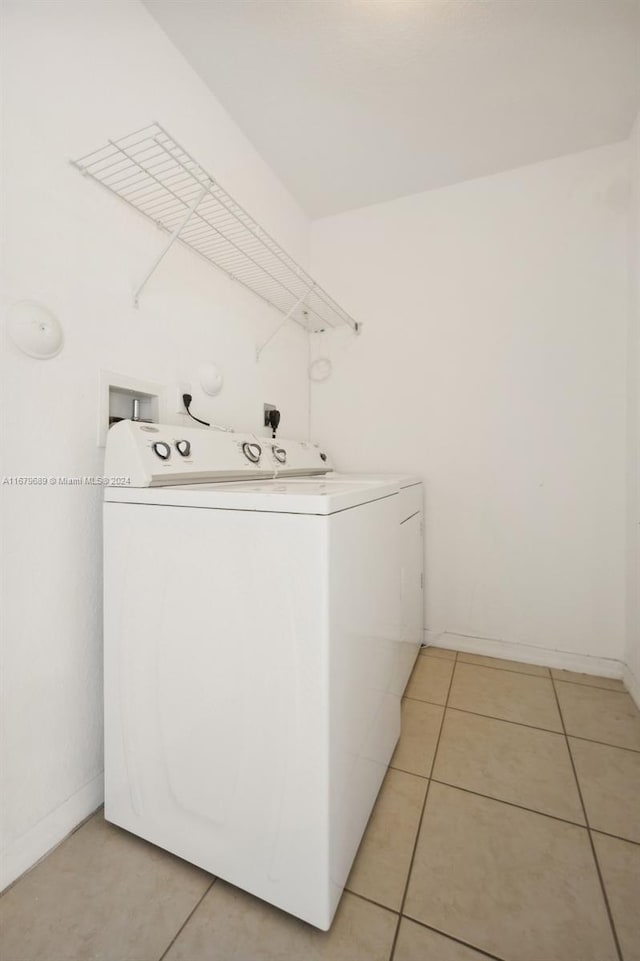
(287,318)
(170,242)
(152,173)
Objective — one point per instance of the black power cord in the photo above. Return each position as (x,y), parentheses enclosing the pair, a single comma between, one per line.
(274,420)
(186,400)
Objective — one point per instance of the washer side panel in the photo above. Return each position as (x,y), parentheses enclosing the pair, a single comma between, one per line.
(216,702)
(365,662)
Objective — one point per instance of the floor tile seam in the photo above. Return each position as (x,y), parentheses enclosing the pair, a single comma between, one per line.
(378,904)
(523,807)
(453,937)
(594,687)
(421,818)
(548,676)
(421,700)
(533,727)
(589,835)
(186,920)
(616,837)
(519,807)
(403,770)
(591,740)
(591,687)
(505,720)
(507,670)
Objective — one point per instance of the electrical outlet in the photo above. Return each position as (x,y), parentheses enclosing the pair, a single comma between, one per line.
(267,408)
(183,388)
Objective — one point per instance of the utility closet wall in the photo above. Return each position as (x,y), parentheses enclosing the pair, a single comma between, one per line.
(77,72)
(632,674)
(492,364)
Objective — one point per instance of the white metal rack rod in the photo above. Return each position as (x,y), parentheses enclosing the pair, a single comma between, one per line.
(287,317)
(174,236)
(153,174)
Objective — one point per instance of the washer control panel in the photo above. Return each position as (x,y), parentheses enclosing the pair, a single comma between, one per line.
(150,455)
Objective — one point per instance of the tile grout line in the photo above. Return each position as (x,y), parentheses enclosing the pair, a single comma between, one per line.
(510,670)
(492,667)
(520,807)
(616,837)
(589,835)
(392,767)
(542,667)
(533,727)
(512,804)
(439,656)
(493,717)
(617,747)
(594,687)
(452,937)
(186,920)
(420,820)
(378,904)
(549,676)
(422,924)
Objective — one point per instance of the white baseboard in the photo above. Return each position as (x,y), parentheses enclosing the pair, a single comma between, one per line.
(529,654)
(29,848)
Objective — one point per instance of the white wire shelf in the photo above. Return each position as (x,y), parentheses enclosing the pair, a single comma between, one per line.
(152,173)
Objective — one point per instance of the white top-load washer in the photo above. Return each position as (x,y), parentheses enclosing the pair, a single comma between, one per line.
(257,644)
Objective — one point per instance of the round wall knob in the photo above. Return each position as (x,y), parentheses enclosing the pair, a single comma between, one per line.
(210,378)
(35,330)
(162,450)
(183,447)
(320,369)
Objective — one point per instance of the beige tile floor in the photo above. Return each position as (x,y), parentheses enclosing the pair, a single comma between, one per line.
(508,827)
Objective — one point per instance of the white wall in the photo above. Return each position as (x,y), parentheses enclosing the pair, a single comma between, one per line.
(77,72)
(492,363)
(632,657)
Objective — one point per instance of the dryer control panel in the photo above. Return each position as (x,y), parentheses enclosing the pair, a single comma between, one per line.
(150,455)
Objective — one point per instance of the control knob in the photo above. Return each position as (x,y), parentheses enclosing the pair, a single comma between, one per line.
(252,452)
(183,447)
(280,454)
(162,450)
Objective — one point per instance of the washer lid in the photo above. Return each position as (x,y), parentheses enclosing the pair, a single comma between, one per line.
(275,496)
(403,480)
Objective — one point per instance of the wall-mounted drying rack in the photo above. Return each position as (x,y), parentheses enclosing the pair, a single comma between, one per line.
(151,172)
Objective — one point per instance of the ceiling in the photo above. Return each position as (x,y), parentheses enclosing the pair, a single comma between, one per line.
(353,102)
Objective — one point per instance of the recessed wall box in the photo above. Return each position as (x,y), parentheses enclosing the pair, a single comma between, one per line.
(116,402)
